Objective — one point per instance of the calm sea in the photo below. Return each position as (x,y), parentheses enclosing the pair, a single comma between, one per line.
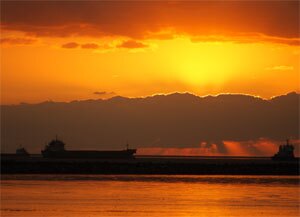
(139,195)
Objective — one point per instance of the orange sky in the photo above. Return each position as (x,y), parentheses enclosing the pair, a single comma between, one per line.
(64,51)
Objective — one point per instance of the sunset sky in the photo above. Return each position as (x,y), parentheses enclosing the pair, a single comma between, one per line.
(74,50)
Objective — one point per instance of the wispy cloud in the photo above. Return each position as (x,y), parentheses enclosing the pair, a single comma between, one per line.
(104,93)
(132,44)
(70,45)
(90,46)
(128,44)
(280,68)
(17,41)
(260,147)
(246,37)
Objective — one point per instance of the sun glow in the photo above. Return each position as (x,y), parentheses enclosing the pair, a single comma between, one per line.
(211,63)
(161,66)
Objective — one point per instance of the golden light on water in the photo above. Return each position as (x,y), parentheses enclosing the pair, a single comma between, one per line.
(155,196)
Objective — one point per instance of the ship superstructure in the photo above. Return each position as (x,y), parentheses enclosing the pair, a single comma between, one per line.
(285,152)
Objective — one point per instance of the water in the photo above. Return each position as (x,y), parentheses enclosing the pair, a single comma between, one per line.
(139,195)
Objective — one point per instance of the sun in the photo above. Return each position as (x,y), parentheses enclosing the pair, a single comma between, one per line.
(213,63)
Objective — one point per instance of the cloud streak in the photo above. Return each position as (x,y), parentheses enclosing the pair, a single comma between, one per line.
(246,38)
(128,44)
(104,94)
(262,147)
(131,44)
(70,45)
(90,46)
(280,68)
(17,41)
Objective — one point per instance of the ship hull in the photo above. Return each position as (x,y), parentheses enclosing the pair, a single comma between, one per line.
(90,154)
(276,158)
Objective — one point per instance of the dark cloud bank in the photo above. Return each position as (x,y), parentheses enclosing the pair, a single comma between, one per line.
(176,120)
(138,19)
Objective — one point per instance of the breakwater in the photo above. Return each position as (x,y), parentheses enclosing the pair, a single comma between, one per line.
(195,166)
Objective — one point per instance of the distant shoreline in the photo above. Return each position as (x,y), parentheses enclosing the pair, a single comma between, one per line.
(152,165)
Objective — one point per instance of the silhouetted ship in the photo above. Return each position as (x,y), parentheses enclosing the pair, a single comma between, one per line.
(285,152)
(20,153)
(56,149)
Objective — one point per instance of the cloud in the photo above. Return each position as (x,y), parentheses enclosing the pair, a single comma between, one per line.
(17,41)
(280,68)
(259,147)
(90,46)
(262,147)
(100,92)
(246,38)
(70,45)
(131,44)
(277,19)
(104,93)
(163,35)
(196,151)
